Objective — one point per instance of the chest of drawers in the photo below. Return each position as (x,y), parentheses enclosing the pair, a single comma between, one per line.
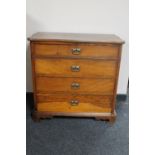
(75,74)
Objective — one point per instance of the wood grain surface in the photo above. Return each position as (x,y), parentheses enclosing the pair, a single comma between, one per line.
(105,51)
(88,68)
(85,98)
(76,37)
(47,84)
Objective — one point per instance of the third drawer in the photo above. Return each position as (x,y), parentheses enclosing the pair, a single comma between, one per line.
(75,85)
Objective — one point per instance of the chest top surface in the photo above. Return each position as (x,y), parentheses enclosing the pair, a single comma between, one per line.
(76,37)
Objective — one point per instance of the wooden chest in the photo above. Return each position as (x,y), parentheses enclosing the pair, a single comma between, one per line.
(75,74)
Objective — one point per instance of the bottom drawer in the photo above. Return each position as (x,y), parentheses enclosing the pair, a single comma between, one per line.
(73,103)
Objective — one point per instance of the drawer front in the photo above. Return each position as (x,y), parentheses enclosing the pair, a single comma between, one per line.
(45,50)
(74,85)
(107,51)
(73,103)
(75,68)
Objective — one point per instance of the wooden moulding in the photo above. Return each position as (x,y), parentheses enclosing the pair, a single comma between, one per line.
(111,117)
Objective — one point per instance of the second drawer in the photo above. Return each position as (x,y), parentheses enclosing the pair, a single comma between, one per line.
(74,85)
(75,68)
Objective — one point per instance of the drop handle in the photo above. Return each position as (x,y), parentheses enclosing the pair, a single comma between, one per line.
(75,68)
(75,85)
(74,102)
(76,51)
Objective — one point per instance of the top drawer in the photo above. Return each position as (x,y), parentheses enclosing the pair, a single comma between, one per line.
(75,50)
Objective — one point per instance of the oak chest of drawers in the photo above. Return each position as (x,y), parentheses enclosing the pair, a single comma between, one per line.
(75,74)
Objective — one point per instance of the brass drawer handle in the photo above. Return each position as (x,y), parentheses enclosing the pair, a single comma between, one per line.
(76,51)
(75,85)
(75,68)
(74,102)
